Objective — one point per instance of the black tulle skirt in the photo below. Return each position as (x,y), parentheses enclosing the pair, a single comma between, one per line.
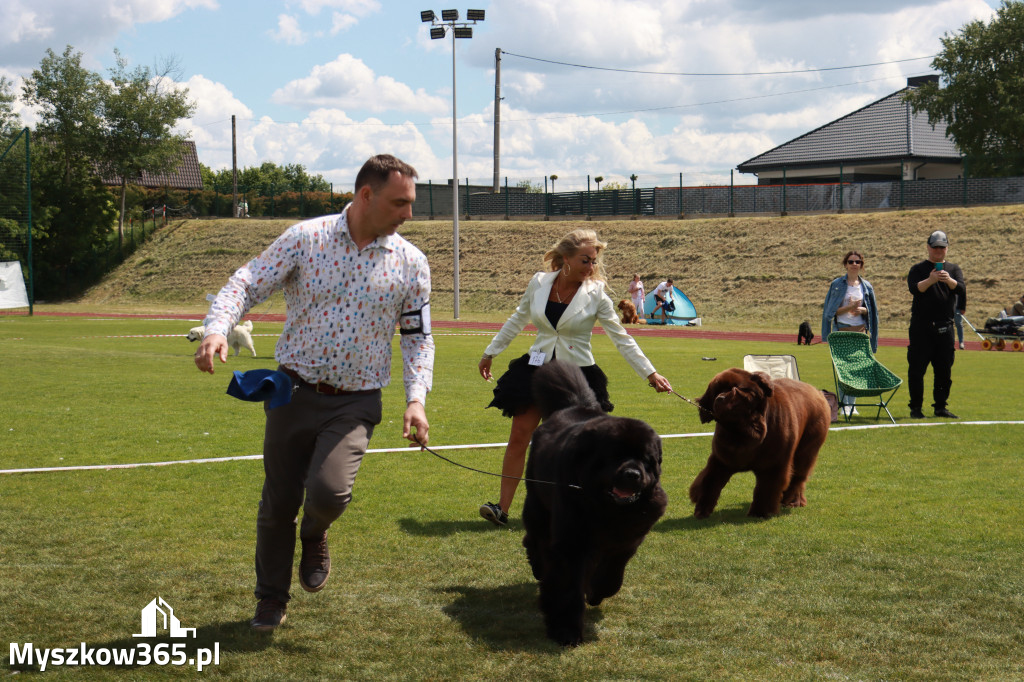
(513,392)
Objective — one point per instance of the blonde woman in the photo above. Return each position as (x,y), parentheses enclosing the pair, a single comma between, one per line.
(563,303)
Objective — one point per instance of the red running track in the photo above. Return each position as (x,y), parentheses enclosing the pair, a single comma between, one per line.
(638,331)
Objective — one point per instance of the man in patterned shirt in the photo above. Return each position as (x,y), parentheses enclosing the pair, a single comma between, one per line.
(348,281)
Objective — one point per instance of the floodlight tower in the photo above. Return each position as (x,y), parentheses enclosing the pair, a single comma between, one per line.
(449,21)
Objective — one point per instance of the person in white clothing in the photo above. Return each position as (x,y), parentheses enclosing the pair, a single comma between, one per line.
(636,292)
(663,300)
(564,304)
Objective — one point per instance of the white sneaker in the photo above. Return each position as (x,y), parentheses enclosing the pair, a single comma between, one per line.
(961,345)
(849,411)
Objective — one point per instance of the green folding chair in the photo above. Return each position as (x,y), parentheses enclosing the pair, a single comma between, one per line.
(859,374)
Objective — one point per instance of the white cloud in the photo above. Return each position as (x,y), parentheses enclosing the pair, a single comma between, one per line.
(21,25)
(347,83)
(342,22)
(288,31)
(383,95)
(29,27)
(359,8)
(210,125)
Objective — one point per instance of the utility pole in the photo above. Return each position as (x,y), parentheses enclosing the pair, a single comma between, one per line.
(497,117)
(234,171)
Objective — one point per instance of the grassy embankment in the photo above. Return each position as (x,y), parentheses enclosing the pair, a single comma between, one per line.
(748,272)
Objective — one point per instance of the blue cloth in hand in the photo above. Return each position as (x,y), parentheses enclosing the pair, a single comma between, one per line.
(258,385)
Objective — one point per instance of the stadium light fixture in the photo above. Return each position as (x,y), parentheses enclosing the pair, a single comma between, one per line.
(438,30)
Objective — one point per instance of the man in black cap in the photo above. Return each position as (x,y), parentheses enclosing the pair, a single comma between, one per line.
(935,286)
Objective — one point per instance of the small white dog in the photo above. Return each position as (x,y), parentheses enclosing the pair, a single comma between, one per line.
(240,337)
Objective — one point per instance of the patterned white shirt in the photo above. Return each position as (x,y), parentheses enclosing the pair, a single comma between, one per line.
(343,304)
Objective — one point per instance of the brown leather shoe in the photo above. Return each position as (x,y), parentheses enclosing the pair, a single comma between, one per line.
(315,565)
(270,613)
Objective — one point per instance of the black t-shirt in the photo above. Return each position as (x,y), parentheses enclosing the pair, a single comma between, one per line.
(935,305)
(553,311)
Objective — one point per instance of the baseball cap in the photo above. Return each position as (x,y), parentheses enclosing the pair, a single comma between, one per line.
(938,238)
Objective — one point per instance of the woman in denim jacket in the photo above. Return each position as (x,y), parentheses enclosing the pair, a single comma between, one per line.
(850,306)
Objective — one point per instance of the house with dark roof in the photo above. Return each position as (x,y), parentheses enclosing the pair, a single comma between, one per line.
(185,176)
(882,141)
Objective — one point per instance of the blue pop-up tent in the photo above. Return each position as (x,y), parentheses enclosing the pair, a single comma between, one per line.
(682,315)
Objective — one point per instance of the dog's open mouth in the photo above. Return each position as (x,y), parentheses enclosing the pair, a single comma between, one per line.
(624,495)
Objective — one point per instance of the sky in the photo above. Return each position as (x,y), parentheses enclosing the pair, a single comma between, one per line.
(653,88)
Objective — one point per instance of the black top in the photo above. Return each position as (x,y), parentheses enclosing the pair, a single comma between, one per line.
(934,307)
(553,311)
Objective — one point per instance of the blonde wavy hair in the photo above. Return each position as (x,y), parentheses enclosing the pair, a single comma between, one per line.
(570,245)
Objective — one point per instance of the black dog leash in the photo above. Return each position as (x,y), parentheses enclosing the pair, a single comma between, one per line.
(699,407)
(489,473)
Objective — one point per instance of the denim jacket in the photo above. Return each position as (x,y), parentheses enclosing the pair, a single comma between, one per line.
(834,299)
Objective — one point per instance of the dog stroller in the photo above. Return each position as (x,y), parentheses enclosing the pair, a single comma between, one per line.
(997,332)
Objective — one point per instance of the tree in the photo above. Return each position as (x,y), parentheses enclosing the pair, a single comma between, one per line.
(267,179)
(72,213)
(69,100)
(9,123)
(599,179)
(982,101)
(12,173)
(529,187)
(139,111)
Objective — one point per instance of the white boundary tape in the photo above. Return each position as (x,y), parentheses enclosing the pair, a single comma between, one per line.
(473,446)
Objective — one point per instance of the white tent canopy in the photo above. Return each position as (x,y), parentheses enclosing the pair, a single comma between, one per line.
(12,286)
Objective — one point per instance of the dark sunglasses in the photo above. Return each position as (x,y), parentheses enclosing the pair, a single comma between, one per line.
(855,262)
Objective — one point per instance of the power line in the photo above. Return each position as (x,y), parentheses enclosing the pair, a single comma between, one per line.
(564,116)
(686,73)
(696,104)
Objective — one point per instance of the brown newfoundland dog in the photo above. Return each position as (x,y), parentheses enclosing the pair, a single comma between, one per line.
(599,497)
(773,427)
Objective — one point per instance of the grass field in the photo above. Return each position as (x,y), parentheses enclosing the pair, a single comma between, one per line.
(906,565)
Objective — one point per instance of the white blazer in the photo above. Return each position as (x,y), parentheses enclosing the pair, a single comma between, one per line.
(570,340)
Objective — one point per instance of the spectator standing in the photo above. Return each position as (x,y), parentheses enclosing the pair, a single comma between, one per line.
(936,286)
(636,293)
(850,306)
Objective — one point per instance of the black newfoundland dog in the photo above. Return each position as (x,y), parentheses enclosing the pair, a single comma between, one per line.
(600,498)
(804,335)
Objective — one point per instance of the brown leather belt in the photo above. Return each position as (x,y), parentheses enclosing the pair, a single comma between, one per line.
(321,387)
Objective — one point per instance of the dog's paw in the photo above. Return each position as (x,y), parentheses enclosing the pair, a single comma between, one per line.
(569,637)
